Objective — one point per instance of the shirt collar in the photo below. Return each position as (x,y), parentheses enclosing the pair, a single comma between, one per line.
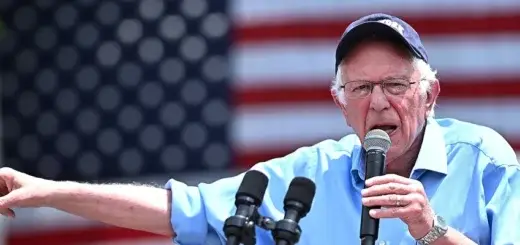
(432,155)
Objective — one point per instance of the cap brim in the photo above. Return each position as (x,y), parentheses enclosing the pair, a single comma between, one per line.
(365,30)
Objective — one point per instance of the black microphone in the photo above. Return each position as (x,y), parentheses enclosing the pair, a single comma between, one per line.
(376,144)
(239,228)
(297,203)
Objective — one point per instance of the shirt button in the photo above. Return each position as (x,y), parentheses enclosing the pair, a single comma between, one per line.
(383,243)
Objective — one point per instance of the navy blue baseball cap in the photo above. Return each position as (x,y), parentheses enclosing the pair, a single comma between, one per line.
(380,25)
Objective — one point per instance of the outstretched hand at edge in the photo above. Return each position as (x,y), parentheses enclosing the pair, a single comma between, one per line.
(20,190)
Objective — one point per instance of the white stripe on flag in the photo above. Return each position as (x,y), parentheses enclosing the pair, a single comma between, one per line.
(260,65)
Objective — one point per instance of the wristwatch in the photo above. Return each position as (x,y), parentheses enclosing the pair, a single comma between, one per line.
(439,229)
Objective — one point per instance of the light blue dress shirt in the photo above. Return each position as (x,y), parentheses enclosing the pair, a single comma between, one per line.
(470,173)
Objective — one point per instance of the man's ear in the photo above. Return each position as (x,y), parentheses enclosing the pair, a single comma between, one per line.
(431,96)
(336,100)
(341,106)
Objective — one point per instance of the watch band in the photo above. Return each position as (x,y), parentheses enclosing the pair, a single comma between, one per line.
(439,229)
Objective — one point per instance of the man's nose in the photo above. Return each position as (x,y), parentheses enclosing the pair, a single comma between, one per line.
(378,100)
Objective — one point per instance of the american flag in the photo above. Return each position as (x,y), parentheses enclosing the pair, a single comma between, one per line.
(281,57)
(283,62)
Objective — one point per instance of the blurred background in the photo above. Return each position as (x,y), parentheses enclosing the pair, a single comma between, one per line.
(143,91)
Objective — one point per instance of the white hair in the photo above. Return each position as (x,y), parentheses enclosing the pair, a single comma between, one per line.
(428,77)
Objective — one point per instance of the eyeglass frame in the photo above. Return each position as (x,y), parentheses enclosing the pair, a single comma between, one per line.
(382,84)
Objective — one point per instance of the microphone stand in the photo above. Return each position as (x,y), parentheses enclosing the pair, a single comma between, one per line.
(241,228)
(244,231)
(284,231)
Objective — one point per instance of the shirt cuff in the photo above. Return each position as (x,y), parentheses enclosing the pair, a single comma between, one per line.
(188,217)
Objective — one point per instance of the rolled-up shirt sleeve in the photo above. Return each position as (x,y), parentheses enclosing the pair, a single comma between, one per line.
(187,213)
(502,188)
(198,212)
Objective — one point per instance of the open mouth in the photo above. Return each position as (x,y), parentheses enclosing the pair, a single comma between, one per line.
(389,129)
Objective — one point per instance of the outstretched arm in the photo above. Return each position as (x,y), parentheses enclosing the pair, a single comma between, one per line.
(136,207)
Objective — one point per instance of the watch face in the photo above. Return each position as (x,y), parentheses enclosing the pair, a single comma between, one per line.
(441,223)
(439,229)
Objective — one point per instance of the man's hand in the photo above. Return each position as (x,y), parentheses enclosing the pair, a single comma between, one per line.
(19,190)
(401,198)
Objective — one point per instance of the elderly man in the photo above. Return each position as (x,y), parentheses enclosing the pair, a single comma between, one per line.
(447,181)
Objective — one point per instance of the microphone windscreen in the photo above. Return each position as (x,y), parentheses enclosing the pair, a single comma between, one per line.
(253,185)
(301,190)
(377,139)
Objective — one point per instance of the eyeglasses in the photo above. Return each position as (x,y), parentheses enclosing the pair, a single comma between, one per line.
(360,89)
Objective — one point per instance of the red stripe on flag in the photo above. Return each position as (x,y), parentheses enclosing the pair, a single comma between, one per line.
(82,235)
(248,159)
(333,26)
(459,89)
